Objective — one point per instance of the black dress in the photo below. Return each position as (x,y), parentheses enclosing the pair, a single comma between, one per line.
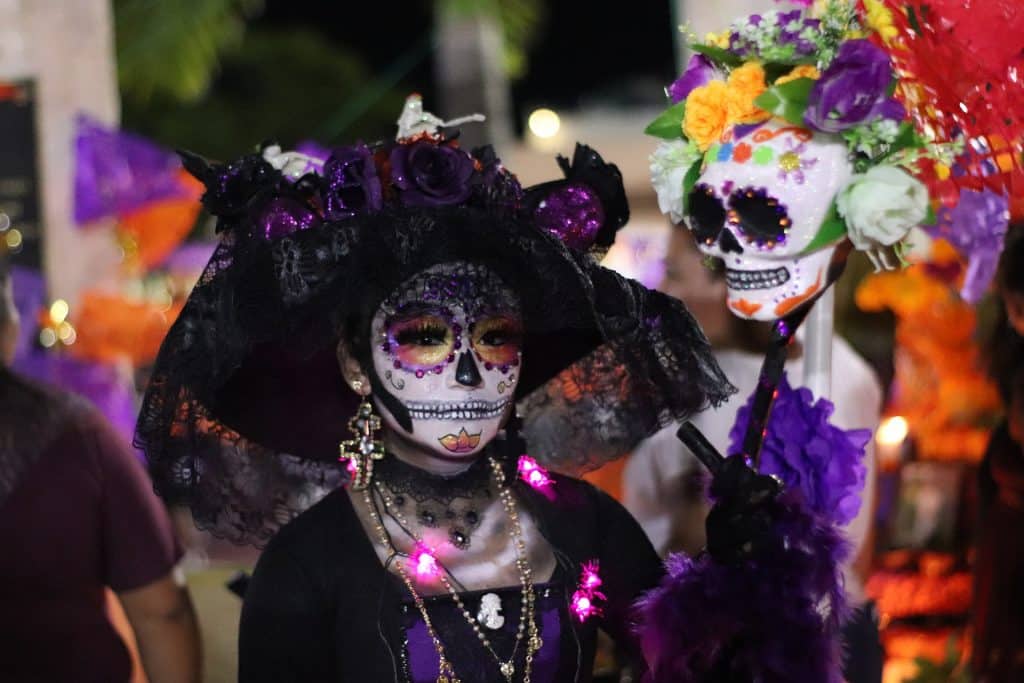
(320,606)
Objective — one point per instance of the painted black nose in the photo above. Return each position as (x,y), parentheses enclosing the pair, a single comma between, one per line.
(729,243)
(466,372)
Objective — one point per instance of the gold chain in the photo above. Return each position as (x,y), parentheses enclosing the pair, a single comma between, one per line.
(527,622)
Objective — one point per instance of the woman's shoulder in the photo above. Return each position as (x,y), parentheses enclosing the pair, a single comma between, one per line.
(582,510)
(320,527)
(567,491)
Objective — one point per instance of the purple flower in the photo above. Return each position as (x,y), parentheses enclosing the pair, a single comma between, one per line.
(808,453)
(284,216)
(430,174)
(351,183)
(698,72)
(494,185)
(854,89)
(976,226)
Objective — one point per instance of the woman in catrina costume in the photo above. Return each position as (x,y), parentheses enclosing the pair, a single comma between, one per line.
(393,305)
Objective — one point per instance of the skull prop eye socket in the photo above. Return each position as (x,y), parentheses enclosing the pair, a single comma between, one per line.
(759,217)
(706,214)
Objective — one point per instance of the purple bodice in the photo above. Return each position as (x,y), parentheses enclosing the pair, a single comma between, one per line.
(468,656)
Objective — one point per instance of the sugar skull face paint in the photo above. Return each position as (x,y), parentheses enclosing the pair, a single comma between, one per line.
(448,345)
(759,204)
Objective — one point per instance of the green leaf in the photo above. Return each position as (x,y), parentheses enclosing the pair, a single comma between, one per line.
(787,100)
(832,229)
(915,25)
(717,54)
(171,50)
(931,218)
(689,180)
(768,100)
(906,137)
(668,125)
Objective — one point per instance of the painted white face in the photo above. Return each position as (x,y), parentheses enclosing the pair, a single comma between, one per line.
(760,205)
(448,346)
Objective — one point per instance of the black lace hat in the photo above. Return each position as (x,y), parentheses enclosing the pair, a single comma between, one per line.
(246,406)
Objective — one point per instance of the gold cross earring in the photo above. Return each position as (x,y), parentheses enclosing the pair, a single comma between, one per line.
(361,451)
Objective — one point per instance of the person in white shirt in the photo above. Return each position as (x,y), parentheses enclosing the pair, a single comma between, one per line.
(663,482)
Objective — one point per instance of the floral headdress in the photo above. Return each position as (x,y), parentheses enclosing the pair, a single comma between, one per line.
(823,69)
(275,193)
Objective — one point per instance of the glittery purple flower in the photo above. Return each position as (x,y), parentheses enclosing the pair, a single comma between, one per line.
(283,216)
(351,183)
(976,226)
(810,454)
(854,89)
(792,164)
(494,185)
(573,213)
(431,174)
(699,71)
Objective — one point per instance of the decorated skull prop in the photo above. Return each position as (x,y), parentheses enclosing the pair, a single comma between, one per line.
(763,205)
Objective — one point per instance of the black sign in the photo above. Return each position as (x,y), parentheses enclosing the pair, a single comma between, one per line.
(20,224)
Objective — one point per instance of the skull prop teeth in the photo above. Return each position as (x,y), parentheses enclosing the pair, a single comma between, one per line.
(760,205)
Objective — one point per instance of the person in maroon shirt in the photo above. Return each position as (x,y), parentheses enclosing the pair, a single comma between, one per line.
(78,515)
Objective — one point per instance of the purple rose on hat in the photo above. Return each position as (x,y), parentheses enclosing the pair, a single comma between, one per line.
(351,182)
(854,89)
(431,174)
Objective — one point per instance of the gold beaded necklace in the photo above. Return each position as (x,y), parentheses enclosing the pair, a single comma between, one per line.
(527,623)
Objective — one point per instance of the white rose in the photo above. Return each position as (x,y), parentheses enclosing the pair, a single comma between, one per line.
(669,164)
(881,206)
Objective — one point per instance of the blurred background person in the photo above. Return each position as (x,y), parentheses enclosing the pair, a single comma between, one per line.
(663,483)
(998,621)
(78,515)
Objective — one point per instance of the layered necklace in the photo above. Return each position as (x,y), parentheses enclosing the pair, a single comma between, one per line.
(527,629)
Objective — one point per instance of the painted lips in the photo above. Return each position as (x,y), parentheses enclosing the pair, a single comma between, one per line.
(457,410)
(463,442)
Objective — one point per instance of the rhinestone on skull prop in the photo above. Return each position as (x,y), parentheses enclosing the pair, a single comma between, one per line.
(760,204)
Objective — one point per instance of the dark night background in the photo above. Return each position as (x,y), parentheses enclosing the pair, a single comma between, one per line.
(334,71)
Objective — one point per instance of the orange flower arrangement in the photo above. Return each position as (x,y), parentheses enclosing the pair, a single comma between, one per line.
(712,108)
(745,84)
(941,389)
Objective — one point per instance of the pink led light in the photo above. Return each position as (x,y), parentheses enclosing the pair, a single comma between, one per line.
(350,465)
(590,578)
(584,600)
(532,473)
(583,606)
(425,564)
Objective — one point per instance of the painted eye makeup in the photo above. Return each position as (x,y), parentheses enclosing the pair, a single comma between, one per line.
(497,341)
(421,342)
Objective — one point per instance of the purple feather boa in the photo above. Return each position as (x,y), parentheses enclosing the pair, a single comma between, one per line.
(775,619)
(772,620)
